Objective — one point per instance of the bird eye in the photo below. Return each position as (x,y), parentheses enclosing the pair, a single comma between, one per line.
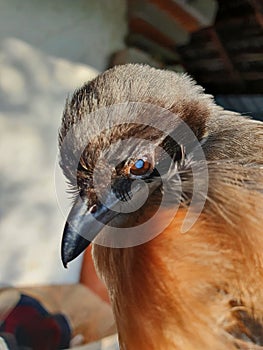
(140,167)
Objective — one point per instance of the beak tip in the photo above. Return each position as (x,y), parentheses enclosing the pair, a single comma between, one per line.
(72,245)
(65,259)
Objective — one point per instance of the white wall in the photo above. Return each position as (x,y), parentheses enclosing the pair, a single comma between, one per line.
(47,49)
(85,31)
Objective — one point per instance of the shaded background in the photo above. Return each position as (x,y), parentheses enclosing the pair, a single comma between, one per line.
(48,48)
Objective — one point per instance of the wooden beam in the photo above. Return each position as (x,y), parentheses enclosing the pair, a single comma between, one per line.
(233,73)
(140,26)
(252,75)
(159,19)
(185,19)
(258,7)
(157,51)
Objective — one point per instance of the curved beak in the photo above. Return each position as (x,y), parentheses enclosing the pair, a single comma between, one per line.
(82,226)
(84,223)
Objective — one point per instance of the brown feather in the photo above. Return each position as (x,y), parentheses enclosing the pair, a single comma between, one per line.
(201,289)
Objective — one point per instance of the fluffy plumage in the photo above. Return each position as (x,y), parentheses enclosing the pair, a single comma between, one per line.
(201,289)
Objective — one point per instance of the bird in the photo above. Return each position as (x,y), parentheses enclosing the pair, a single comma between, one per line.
(198,288)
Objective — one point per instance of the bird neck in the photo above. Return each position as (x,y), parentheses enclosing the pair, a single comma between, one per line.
(149,290)
(142,310)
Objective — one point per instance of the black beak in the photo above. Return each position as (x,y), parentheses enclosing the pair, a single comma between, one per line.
(84,223)
(82,226)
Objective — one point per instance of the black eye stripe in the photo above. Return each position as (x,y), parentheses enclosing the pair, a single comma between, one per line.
(153,174)
(163,166)
(120,166)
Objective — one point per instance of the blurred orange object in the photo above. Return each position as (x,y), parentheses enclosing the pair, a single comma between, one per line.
(89,278)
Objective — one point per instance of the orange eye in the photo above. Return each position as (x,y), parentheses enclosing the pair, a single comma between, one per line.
(140,167)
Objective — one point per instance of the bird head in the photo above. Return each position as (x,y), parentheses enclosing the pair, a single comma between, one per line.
(126,143)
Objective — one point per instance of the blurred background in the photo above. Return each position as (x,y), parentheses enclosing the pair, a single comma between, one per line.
(49,48)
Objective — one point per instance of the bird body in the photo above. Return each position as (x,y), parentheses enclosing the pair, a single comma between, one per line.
(195,290)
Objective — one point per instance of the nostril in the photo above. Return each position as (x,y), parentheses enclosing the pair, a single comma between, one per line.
(93,209)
